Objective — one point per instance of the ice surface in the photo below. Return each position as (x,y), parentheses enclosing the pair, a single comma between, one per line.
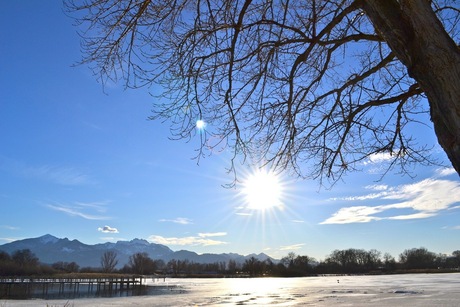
(381,290)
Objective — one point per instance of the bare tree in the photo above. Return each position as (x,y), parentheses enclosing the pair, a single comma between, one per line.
(69,267)
(456,258)
(317,87)
(25,258)
(288,260)
(417,258)
(141,263)
(389,261)
(109,261)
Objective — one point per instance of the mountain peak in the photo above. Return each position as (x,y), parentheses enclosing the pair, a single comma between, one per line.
(48,239)
(139,241)
(50,249)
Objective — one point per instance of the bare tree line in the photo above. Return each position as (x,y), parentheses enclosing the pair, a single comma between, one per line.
(349,261)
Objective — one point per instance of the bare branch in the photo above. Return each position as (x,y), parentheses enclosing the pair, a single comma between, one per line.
(308,86)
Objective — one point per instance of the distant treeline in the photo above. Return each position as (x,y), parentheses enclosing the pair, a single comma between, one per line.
(349,261)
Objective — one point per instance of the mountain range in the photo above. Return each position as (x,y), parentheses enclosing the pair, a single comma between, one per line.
(50,249)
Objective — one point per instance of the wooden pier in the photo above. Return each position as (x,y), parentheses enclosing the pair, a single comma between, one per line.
(69,287)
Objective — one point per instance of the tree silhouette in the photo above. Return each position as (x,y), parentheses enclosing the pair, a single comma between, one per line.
(253,266)
(354,260)
(417,258)
(68,267)
(317,87)
(389,261)
(24,258)
(141,263)
(109,261)
(456,258)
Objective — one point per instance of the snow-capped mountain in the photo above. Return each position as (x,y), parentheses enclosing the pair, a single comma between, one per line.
(50,249)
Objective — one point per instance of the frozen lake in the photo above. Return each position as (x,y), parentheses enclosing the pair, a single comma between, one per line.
(381,290)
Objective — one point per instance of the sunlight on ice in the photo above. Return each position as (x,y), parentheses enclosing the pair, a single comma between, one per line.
(405,290)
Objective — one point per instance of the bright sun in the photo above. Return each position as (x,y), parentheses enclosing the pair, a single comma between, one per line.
(262,190)
(200,124)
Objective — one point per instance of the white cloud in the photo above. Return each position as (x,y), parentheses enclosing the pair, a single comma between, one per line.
(80,210)
(424,199)
(356,214)
(457,227)
(379,162)
(179,220)
(183,241)
(362,197)
(292,247)
(378,158)
(243,213)
(107,229)
(211,234)
(420,215)
(99,206)
(377,187)
(443,172)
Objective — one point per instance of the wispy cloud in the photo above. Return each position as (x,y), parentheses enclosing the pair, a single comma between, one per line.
(292,247)
(200,240)
(377,163)
(424,199)
(107,229)
(457,227)
(179,220)
(211,234)
(378,158)
(92,125)
(380,191)
(419,215)
(443,172)
(80,209)
(243,213)
(58,174)
(377,187)
(63,175)
(8,240)
(9,227)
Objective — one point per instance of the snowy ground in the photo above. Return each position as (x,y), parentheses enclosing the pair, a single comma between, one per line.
(390,290)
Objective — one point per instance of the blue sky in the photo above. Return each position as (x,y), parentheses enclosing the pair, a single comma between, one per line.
(81,162)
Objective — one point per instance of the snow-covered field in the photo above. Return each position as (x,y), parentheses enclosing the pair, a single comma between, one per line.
(383,290)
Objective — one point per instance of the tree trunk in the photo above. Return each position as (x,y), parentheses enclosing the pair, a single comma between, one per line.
(419,40)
